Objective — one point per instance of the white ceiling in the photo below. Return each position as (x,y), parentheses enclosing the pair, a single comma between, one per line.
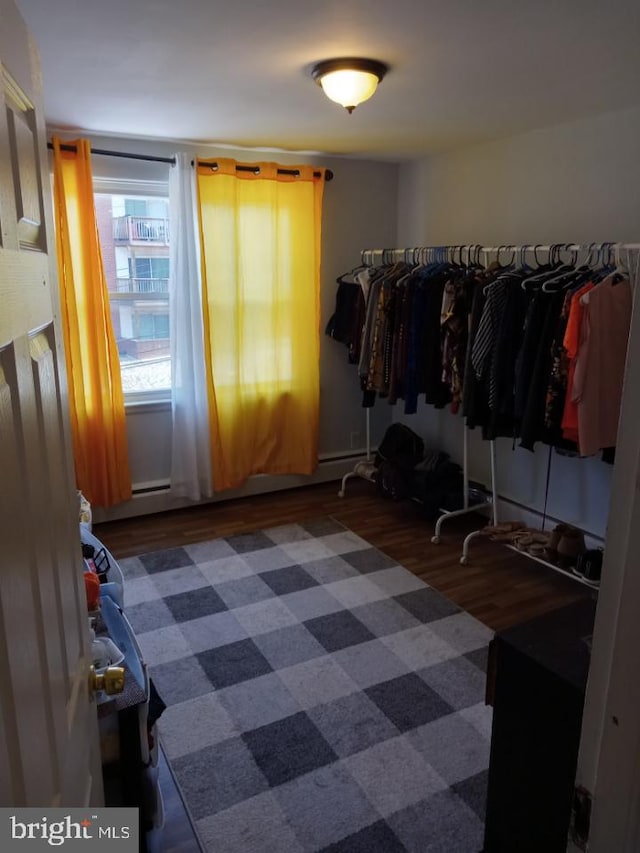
(238,73)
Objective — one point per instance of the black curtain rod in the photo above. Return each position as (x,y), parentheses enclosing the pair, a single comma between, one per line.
(328,174)
(151,158)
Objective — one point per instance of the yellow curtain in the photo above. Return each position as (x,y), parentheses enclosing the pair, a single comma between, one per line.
(96,401)
(260,236)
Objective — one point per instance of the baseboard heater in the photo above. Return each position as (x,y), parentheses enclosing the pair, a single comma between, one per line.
(155,487)
(151,488)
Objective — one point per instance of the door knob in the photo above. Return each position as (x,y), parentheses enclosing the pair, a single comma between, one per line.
(111,680)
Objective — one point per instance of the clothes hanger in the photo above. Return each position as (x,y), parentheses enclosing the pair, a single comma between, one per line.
(565,274)
(539,263)
(367,258)
(469,260)
(522,258)
(535,254)
(485,289)
(588,265)
(448,257)
(497,260)
(522,265)
(474,263)
(509,266)
(476,257)
(604,262)
(546,272)
(463,265)
(503,271)
(510,263)
(620,273)
(585,272)
(423,257)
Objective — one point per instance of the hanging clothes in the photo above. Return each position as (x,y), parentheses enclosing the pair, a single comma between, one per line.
(571,346)
(454,320)
(558,382)
(535,354)
(599,374)
(475,406)
(532,429)
(345,324)
(504,359)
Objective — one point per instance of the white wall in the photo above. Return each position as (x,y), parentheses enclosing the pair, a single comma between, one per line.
(360,211)
(578,181)
(574,182)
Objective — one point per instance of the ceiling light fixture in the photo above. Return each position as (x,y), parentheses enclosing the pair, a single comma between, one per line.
(349,81)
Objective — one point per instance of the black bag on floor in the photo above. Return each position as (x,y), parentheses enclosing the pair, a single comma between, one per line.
(439,488)
(399,452)
(401,446)
(393,481)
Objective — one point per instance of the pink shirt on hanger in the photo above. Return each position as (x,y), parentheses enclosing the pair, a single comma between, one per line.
(599,374)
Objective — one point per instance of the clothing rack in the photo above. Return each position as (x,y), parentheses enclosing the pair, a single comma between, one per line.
(365,468)
(472,253)
(489,501)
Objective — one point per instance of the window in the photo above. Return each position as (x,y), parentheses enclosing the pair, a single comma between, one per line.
(134,235)
(149,268)
(135,207)
(152,326)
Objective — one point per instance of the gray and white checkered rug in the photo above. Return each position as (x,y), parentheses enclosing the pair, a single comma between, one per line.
(320,696)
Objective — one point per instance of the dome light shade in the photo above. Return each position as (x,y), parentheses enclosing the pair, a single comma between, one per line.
(349,81)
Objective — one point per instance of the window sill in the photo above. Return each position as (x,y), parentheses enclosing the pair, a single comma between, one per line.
(139,406)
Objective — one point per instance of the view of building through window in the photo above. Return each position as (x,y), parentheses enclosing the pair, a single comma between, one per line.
(134,235)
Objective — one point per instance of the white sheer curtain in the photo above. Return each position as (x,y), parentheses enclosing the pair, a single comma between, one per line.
(190,451)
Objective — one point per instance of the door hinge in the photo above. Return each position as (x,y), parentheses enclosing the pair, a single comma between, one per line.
(580,817)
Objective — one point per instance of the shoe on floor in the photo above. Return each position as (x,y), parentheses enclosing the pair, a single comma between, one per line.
(532,538)
(589,565)
(556,535)
(570,546)
(504,527)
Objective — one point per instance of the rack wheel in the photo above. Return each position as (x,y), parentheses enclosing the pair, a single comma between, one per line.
(464,560)
(435,540)
(341,493)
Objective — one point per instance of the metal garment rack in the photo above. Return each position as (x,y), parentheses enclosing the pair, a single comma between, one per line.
(614,253)
(490,500)
(365,469)
(425,254)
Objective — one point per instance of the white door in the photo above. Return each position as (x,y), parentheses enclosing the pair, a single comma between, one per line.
(48,726)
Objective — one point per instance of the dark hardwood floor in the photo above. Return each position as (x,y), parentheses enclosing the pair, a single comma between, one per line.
(498,587)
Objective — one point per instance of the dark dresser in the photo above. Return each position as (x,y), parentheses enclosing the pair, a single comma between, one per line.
(536,684)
